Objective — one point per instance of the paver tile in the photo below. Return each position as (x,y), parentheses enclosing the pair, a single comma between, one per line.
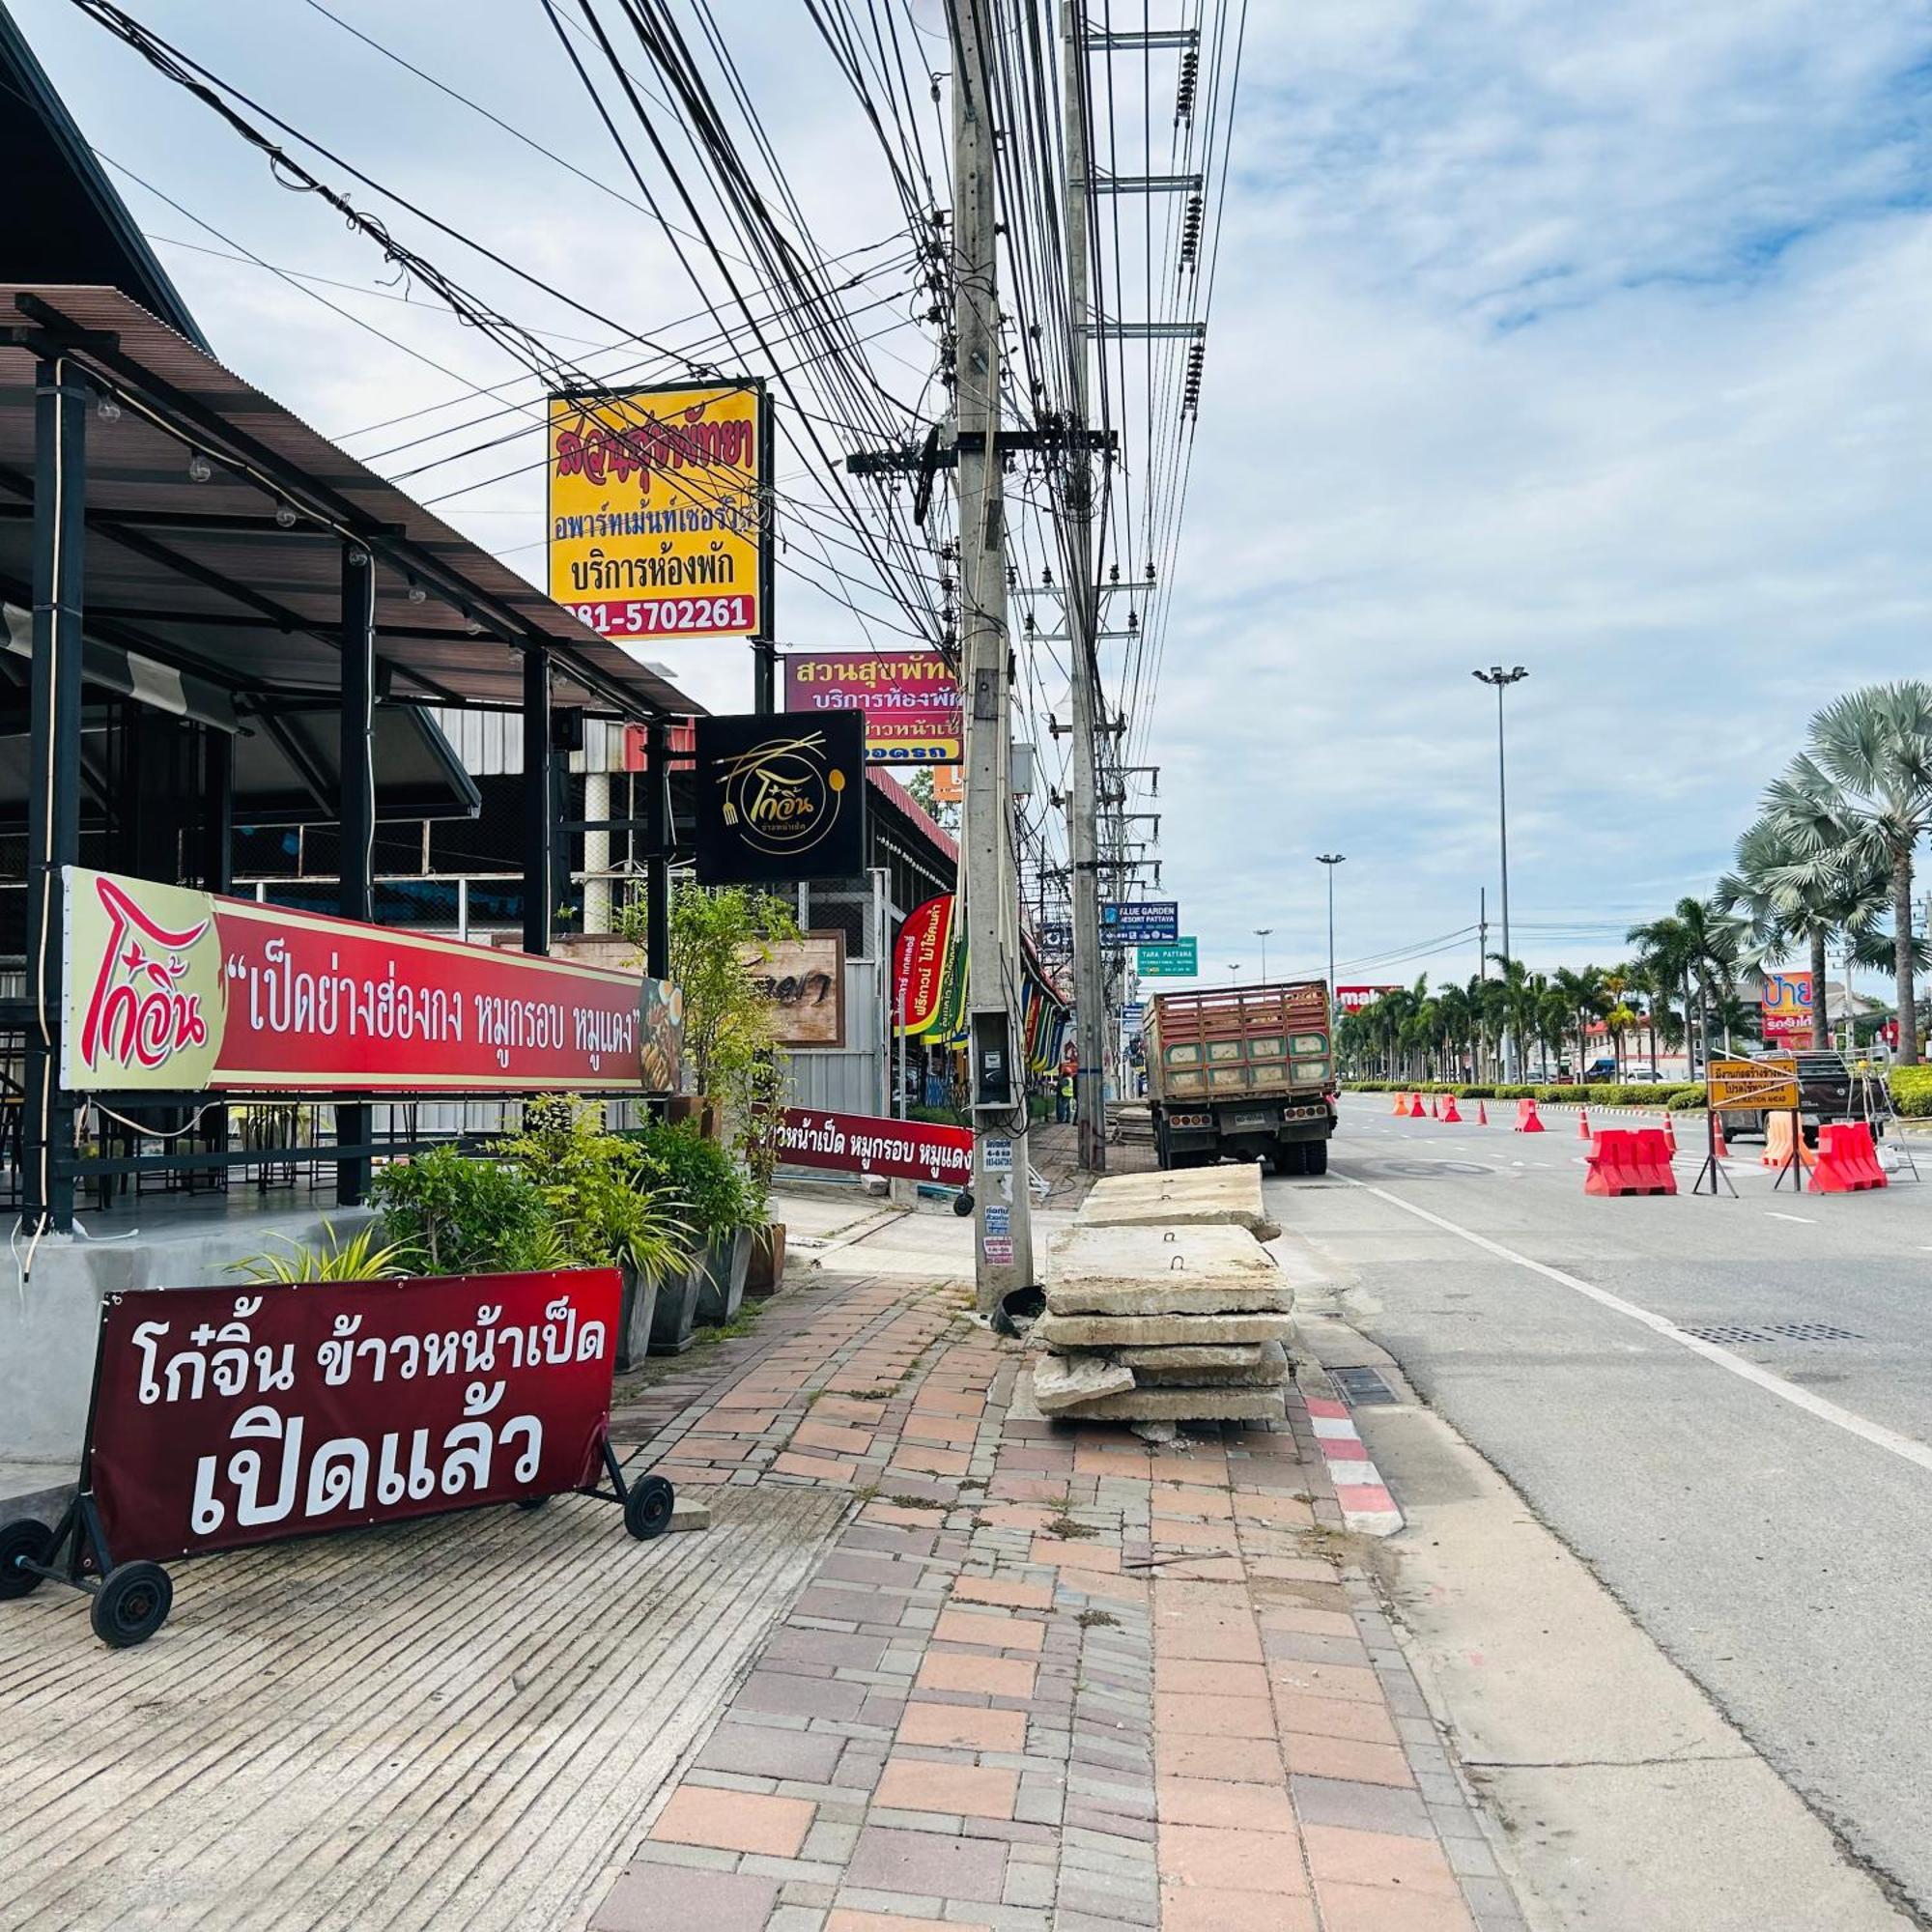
(846,1919)
(984,1676)
(927,1864)
(1209,1909)
(676,1898)
(1241,1760)
(963,1727)
(1003,1590)
(1232,1805)
(1233,1860)
(1360,1808)
(924,1784)
(1213,1716)
(1378,1858)
(1377,1908)
(1198,1677)
(758,1750)
(1347,1757)
(1071,1554)
(993,1630)
(1335,1718)
(734,1821)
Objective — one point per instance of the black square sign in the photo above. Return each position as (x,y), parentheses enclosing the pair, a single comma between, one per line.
(780,798)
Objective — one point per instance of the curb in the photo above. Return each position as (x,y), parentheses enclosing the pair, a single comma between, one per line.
(1366,1506)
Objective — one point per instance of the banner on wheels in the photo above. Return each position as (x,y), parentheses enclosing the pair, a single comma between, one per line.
(223,1418)
(654,508)
(869,1143)
(179,990)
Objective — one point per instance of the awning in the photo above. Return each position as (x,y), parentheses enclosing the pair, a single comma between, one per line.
(236,579)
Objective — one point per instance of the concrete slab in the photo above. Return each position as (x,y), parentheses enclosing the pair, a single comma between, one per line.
(1266,1366)
(1149,1270)
(1060,1381)
(1227,1196)
(1184,1405)
(1106,1331)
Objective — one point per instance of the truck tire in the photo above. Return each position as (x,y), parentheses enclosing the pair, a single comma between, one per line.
(1317,1157)
(1163,1151)
(1289,1157)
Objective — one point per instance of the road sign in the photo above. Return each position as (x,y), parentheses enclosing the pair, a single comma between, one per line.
(1133,1014)
(1139,921)
(1767,1086)
(1178,960)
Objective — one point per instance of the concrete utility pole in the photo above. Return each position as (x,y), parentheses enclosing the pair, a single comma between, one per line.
(989,881)
(1083,598)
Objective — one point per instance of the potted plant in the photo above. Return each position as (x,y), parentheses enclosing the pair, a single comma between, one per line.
(766,1271)
(609,1209)
(702,1174)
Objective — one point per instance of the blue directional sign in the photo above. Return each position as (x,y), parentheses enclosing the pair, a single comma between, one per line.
(1139,921)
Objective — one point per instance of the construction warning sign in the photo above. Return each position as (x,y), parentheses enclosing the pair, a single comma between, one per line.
(1767,1086)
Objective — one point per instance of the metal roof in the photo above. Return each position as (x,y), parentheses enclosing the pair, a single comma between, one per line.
(202,575)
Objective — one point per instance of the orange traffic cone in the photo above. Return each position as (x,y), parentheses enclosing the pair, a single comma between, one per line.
(1669,1132)
(1718,1148)
(1584,1124)
(1482,1115)
(1401,1104)
(1449,1109)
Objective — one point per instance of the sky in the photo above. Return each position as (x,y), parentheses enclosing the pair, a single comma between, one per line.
(1592,340)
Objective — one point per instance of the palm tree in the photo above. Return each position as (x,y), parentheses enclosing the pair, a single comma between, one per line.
(1865,787)
(1695,945)
(1515,1002)
(1584,990)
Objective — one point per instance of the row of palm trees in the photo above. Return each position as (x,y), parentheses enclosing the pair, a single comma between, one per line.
(1827,866)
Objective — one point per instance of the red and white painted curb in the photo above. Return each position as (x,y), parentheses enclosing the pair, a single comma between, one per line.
(1366,1506)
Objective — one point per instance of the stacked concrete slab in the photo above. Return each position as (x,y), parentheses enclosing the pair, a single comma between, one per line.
(1163,1306)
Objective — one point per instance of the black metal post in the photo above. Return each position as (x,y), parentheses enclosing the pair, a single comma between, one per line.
(658,841)
(217,866)
(764,646)
(357,863)
(61,405)
(539,803)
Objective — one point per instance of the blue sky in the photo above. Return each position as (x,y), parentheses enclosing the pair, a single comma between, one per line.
(1595,340)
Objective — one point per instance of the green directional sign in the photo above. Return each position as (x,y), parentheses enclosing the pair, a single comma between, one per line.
(1178,959)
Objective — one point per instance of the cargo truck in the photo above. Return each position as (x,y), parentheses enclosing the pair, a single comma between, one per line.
(1246,1073)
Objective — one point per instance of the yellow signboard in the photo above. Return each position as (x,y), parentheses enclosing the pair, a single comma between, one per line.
(1757,1086)
(653,508)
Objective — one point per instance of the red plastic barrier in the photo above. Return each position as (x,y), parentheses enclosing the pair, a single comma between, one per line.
(1631,1161)
(1847,1160)
(1527,1121)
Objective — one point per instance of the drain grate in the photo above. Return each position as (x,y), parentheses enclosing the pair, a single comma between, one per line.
(1360,1387)
(1734,1334)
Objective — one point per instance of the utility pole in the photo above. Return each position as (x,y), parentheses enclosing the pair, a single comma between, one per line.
(1328,861)
(1083,598)
(1002,1200)
(1502,680)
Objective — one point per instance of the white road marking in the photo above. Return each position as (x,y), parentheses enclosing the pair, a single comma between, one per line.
(1904,1447)
(1776,1217)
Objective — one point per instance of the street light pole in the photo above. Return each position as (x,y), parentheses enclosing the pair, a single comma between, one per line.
(1502,679)
(1328,861)
(1261,933)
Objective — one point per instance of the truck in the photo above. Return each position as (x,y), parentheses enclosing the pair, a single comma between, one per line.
(1246,1072)
(1827,1089)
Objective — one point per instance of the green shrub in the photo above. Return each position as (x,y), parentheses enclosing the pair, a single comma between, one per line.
(466,1216)
(937,1117)
(700,1173)
(1912,1091)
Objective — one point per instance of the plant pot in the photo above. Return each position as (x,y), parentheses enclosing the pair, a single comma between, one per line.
(768,1261)
(634,1321)
(676,1313)
(727,1259)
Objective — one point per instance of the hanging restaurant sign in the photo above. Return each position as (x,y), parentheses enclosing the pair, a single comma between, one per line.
(910,702)
(222,1418)
(869,1143)
(654,509)
(178,990)
(780,799)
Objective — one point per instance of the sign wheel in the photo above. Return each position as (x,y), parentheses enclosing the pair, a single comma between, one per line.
(648,1506)
(23,1541)
(132,1604)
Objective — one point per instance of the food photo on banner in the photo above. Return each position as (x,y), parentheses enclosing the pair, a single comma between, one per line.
(222,1418)
(780,799)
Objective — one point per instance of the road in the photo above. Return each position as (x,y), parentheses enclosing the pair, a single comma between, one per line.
(1759,1495)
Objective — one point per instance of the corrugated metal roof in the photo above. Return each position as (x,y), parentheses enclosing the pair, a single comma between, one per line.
(199,573)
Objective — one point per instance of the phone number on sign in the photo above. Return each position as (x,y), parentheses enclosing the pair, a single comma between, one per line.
(671,615)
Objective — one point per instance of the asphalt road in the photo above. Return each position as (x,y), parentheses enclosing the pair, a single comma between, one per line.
(1760,1495)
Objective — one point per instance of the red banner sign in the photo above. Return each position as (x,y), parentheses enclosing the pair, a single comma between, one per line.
(175,989)
(222,1418)
(919,964)
(1352,999)
(866,1144)
(910,698)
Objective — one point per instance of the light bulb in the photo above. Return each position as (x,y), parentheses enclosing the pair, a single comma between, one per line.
(108,410)
(285,518)
(199,468)
(359,557)
(417,594)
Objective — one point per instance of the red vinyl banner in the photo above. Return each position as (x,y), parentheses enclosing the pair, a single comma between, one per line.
(182,990)
(919,964)
(225,1418)
(867,1144)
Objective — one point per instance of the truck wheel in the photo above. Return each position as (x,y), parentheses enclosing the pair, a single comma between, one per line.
(1317,1158)
(1289,1158)
(1163,1152)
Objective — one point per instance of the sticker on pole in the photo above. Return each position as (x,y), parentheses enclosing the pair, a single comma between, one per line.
(999,1218)
(997,1250)
(1753,1086)
(997,1155)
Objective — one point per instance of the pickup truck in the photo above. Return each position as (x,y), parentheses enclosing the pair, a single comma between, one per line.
(1247,1073)
(1826,1092)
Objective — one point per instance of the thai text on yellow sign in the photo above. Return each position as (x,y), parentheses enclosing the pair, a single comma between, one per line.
(1769,1085)
(653,507)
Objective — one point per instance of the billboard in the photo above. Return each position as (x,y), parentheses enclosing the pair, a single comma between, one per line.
(1352,999)
(1139,921)
(1789,1016)
(1177,959)
(910,700)
(780,801)
(223,1417)
(177,990)
(653,509)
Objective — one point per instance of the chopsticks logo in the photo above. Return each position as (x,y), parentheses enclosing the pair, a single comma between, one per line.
(782,796)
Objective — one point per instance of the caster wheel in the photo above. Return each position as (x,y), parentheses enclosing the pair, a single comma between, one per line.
(532,1502)
(647,1509)
(28,1540)
(132,1604)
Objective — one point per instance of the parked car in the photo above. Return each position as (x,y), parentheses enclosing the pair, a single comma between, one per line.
(1644,1076)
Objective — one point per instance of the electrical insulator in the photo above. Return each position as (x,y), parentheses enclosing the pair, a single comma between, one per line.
(1190,388)
(1190,232)
(1184,97)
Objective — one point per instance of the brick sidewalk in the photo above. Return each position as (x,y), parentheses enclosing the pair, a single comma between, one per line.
(1045,1680)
